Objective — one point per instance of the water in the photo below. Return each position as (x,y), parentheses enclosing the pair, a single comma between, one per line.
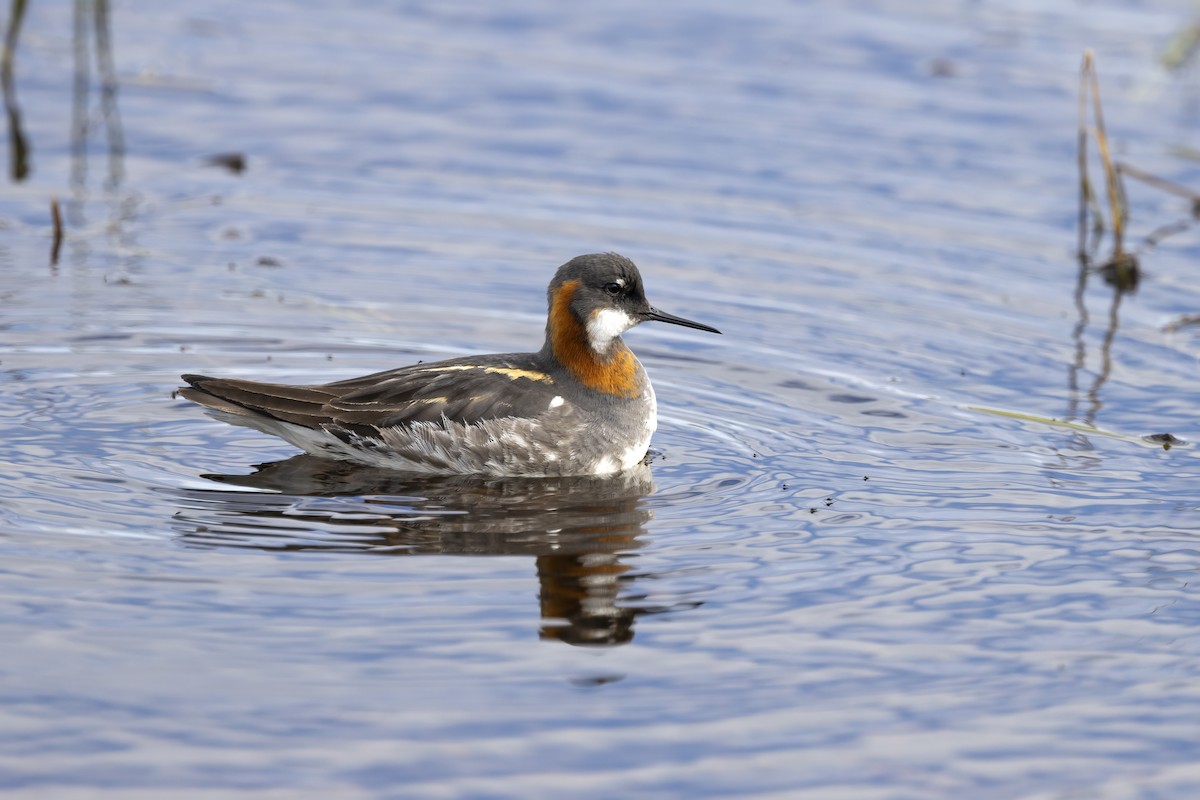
(869,559)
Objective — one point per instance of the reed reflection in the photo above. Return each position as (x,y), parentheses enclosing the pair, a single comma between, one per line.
(1079,362)
(578,530)
(92,21)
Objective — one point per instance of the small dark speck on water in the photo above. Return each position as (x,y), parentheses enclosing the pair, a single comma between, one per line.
(591,681)
(850,398)
(234,162)
(268,261)
(943,68)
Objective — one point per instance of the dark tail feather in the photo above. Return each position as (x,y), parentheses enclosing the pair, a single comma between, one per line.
(300,405)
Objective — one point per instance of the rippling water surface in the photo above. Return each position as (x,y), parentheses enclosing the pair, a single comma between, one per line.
(903,535)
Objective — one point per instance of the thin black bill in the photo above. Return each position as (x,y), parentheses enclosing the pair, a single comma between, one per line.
(654,315)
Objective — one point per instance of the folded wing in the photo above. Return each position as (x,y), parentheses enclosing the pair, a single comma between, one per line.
(459,391)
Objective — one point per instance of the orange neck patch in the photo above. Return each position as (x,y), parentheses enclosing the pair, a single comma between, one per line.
(614,373)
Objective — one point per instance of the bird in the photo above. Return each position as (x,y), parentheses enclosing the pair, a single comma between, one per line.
(581,405)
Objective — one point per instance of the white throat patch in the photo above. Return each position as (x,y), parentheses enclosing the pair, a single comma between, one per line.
(606,325)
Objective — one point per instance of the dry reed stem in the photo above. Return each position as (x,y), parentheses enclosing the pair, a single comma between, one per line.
(56,217)
(1112,180)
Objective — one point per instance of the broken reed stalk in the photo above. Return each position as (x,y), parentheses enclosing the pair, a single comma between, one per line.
(1090,85)
(56,217)
(1170,187)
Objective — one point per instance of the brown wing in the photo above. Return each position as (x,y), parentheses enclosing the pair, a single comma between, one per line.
(461,390)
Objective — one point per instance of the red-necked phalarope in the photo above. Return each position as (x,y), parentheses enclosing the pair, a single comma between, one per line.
(582,405)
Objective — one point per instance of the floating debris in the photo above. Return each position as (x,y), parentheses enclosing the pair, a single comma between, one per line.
(1167,440)
(1122,272)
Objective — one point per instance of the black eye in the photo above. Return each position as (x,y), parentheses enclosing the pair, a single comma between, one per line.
(613,288)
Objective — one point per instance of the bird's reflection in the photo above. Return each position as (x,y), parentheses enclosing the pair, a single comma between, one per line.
(579,530)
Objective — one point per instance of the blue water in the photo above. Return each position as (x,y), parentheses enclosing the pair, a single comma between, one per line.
(902,536)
